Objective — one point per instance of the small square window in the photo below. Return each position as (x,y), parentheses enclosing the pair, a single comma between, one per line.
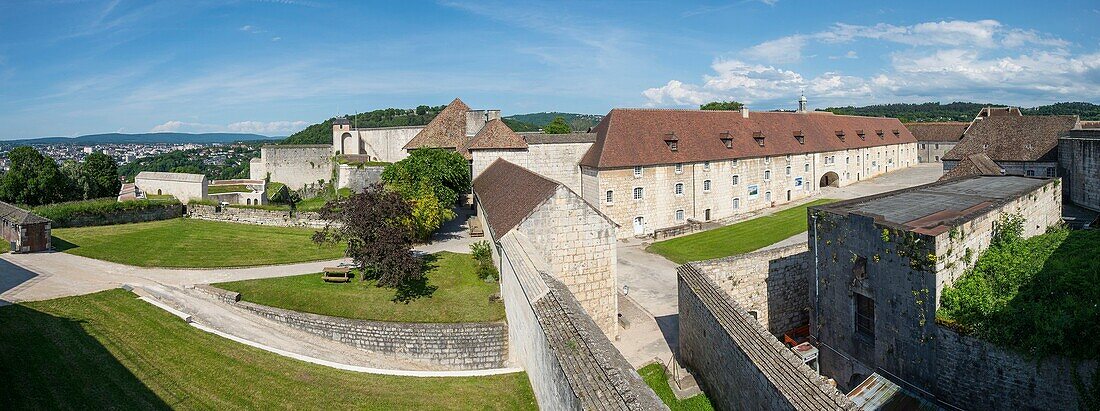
(706,185)
(679,168)
(1030,173)
(679,215)
(767,175)
(767,160)
(806,168)
(679,189)
(609,197)
(733,163)
(788,170)
(1050,171)
(736,179)
(637,171)
(638,193)
(706,166)
(736,203)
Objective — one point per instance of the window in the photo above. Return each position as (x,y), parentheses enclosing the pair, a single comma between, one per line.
(736,203)
(788,158)
(638,193)
(847,160)
(679,190)
(937,146)
(788,170)
(865,316)
(679,215)
(1030,173)
(637,171)
(767,175)
(706,186)
(736,179)
(767,160)
(806,168)
(937,158)
(733,163)
(706,166)
(768,196)
(609,197)
(754,191)
(1050,171)
(679,168)
(673,146)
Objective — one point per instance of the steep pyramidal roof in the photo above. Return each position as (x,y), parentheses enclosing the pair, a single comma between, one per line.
(497,135)
(446,130)
(973,165)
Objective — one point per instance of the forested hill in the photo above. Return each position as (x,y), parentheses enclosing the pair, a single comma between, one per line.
(960,111)
(579,122)
(387,117)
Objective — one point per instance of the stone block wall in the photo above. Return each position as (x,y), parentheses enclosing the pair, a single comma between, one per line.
(296,165)
(357,178)
(739,365)
(381,144)
(150,213)
(773,284)
(462,346)
(1079,159)
(971,373)
(556,161)
(255,216)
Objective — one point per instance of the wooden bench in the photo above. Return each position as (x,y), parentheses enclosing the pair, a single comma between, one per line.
(336,274)
(475,227)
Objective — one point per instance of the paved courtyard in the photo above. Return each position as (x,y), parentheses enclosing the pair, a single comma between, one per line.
(650,280)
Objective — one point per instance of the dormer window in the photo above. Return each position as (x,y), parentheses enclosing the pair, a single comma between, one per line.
(897,133)
(860,133)
(726,138)
(673,145)
(840,134)
(759,137)
(801,138)
(879,132)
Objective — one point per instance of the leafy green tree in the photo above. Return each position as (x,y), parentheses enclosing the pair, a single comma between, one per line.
(374,225)
(722,105)
(557,126)
(430,179)
(483,254)
(99,176)
(428,214)
(33,179)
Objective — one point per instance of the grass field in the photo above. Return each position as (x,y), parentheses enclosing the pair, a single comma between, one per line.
(228,188)
(456,295)
(737,238)
(184,242)
(110,350)
(655,377)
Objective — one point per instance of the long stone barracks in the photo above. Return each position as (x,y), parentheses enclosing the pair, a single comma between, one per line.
(653,169)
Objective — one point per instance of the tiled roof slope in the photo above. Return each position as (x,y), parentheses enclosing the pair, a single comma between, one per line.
(636,137)
(543,138)
(446,130)
(1013,138)
(17,215)
(497,135)
(509,193)
(973,165)
(947,131)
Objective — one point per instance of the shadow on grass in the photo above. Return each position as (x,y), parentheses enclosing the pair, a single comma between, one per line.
(419,288)
(49,362)
(62,245)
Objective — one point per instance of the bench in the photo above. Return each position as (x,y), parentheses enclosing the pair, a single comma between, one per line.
(336,274)
(475,227)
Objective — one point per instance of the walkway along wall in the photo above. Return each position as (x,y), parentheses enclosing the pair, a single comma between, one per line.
(461,346)
(739,364)
(569,361)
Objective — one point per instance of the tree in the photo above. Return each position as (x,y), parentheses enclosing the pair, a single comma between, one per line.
(429,172)
(33,179)
(428,214)
(557,126)
(375,226)
(722,105)
(99,176)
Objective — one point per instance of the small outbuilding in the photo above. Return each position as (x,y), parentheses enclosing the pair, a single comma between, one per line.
(24,231)
(182,186)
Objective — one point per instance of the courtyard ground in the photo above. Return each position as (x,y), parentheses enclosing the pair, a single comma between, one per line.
(452,293)
(111,350)
(655,377)
(184,242)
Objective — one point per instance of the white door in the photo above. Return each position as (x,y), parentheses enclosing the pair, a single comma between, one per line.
(639,226)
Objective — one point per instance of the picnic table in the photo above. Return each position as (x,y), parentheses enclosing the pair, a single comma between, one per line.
(336,274)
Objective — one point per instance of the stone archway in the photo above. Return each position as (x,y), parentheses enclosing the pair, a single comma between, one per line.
(830,179)
(349,144)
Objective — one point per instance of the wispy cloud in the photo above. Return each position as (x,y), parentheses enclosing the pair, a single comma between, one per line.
(255,127)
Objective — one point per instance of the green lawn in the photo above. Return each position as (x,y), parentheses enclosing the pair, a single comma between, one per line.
(737,238)
(110,350)
(655,377)
(456,295)
(185,242)
(228,188)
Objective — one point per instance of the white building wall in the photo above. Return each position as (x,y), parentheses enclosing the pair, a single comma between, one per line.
(181,190)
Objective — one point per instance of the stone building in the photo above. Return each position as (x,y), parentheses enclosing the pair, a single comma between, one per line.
(24,231)
(651,169)
(297,165)
(240,191)
(182,186)
(574,240)
(879,265)
(554,156)
(1020,145)
(1079,160)
(936,139)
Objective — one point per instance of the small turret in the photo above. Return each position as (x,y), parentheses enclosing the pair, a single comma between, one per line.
(802,103)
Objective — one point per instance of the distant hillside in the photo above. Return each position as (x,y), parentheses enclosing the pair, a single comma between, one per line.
(144,138)
(387,117)
(579,122)
(960,111)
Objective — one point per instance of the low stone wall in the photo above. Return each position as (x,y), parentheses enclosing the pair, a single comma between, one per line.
(970,372)
(151,213)
(358,177)
(462,346)
(774,284)
(224,296)
(739,365)
(255,216)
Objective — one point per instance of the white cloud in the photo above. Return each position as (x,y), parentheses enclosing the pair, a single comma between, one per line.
(255,127)
(779,51)
(276,38)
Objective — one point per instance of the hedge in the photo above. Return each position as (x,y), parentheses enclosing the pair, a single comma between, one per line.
(62,213)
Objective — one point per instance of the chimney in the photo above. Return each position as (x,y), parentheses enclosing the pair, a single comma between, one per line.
(744,111)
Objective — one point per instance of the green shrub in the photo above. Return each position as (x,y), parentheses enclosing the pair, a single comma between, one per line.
(484,256)
(195,201)
(62,213)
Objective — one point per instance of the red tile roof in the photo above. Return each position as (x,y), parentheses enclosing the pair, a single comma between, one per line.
(1013,138)
(945,132)
(446,130)
(496,134)
(509,193)
(635,137)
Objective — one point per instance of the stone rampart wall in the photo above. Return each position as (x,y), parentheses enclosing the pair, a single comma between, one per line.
(463,346)
(357,178)
(773,284)
(255,216)
(151,213)
(1080,162)
(739,365)
(971,373)
(297,165)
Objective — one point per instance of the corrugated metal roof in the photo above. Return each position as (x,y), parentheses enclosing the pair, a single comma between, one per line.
(879,393)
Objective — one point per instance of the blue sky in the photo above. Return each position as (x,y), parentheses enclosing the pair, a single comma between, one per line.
(71,67)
